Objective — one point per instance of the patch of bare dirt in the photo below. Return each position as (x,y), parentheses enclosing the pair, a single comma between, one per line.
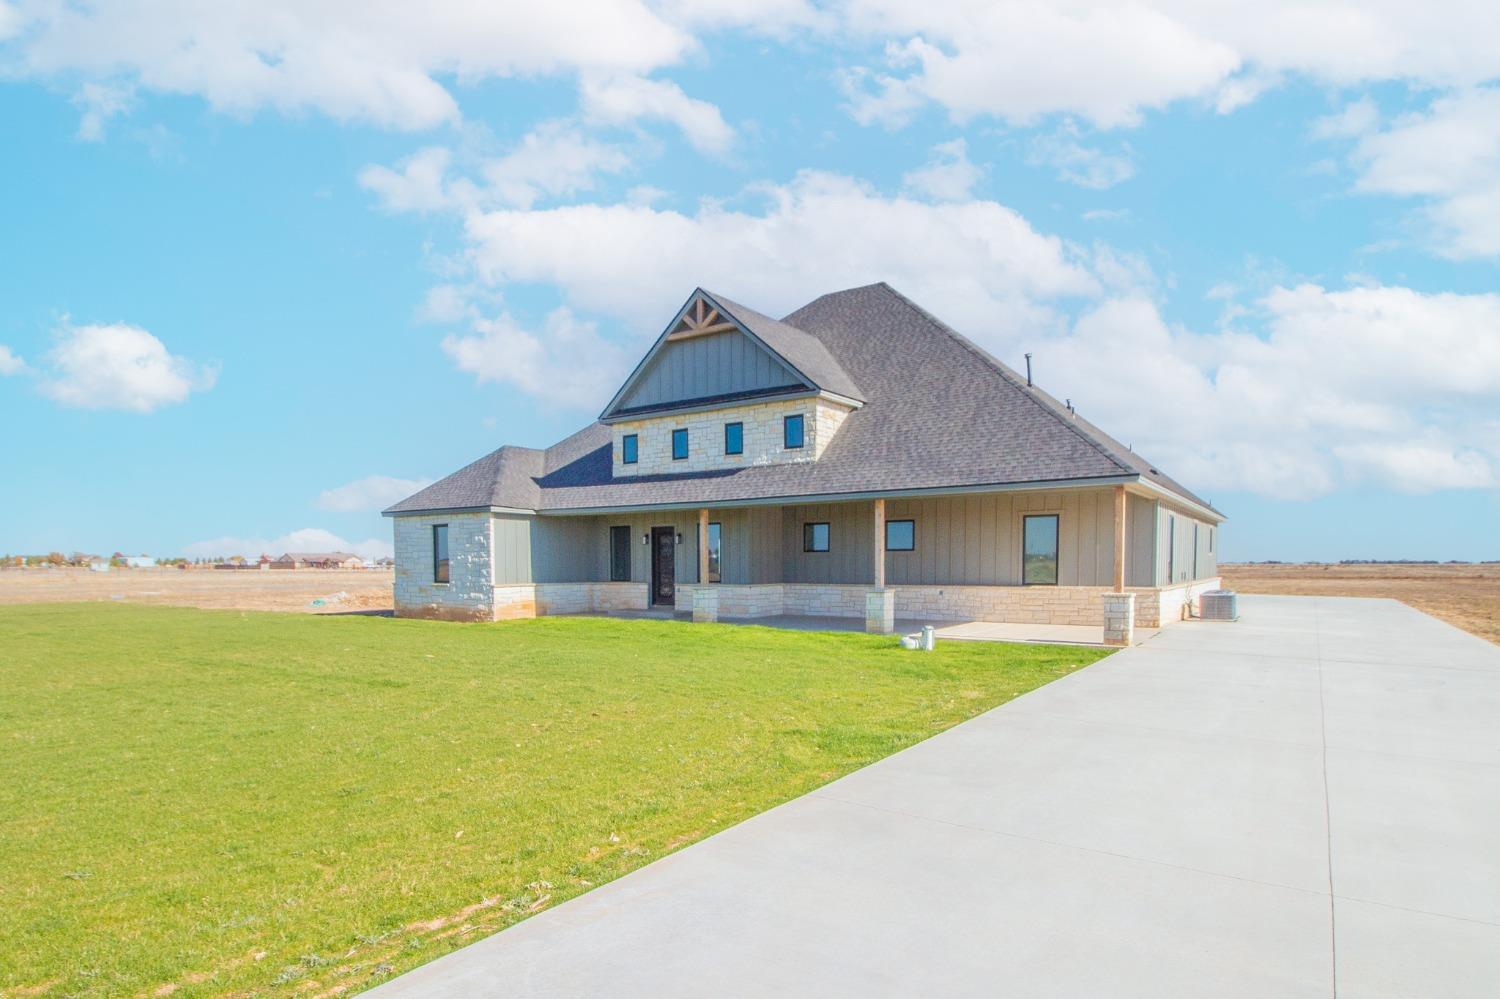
(316,591)
(1467,596)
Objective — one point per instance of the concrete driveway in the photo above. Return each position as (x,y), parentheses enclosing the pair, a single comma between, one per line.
(1303,803)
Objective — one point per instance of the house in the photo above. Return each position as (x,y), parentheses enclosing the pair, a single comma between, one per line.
(857,458)
(317,560)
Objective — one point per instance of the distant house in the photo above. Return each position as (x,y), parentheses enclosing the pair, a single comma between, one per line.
(318,560)
(857,458)
(139,561)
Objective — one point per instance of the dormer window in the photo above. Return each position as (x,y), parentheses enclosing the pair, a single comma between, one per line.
(792,432)
(734,438)
(679,445)
(630,449)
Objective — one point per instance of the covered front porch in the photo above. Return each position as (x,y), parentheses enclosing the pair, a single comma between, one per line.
(1072,556)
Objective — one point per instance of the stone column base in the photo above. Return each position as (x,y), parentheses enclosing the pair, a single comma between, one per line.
(705,604)
(1119,619)
(880,611)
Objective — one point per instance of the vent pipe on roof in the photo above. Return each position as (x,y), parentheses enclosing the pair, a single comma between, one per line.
(1070,409)
(1028,371)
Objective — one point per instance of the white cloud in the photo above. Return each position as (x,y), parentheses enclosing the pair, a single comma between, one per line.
(948,176)
(10,364)
(445,303)
(379,62)
(308,539)
(418,186)
(1378,385)
(567,361)
(119,366)
(556,158)
(1077,163)
(372,493)
(773,17)
(1354,119)
(1110,62)
(977,261)
(622,99)
(99,103)
(1106,63)
(10,21)
(1448,155)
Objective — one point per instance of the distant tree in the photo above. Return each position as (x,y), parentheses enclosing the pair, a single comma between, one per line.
(56,558)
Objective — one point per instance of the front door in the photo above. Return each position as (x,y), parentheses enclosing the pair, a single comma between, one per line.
(663,566)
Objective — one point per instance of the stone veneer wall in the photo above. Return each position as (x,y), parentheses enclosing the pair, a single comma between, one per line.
(1160,607)
(1078,605)
(762,437)
(468,596)
(534,599)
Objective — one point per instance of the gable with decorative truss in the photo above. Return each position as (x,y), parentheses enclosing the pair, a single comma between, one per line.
(706,357)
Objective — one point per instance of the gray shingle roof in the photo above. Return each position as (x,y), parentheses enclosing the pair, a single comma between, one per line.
(504,477)
(939,412)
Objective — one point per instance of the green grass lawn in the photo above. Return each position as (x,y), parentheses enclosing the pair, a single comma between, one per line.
(265,803)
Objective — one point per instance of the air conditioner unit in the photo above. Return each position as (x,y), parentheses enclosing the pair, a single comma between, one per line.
(1218,605)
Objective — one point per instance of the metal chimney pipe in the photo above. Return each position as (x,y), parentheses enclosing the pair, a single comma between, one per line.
(1028,371)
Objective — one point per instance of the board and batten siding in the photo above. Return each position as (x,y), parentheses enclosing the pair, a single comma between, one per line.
(512,561)
(717,364)
(971,539)
(1177,547)
(976,539)
(564,550)
(1140,541)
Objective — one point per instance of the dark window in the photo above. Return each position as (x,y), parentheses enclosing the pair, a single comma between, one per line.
(1195,550)
(1210,540)
(440,553)
(1171,549)
(1039,550)
(734,438)
(679,445)
(630,449)
(815,537)
(791,431)
(619,554)
(715,536)
(900,535)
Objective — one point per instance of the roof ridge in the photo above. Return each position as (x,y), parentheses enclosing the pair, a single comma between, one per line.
(1010,376)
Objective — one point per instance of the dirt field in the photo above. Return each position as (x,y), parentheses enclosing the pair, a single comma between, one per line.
(276,590)
(1465,595)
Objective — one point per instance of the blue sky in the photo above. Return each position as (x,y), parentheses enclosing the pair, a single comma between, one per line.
(267,268)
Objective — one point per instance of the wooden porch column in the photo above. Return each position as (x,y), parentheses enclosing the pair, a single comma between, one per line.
(703,546)
(1119,539)
(880,544)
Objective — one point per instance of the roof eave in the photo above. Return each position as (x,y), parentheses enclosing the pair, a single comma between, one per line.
(753,400)
(850,496)
(437,511)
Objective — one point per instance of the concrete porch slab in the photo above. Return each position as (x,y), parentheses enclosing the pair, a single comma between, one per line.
(1051,634)
(960,631)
